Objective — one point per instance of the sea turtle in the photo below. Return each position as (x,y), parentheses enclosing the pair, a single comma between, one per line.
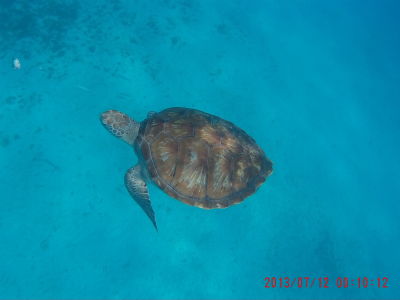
(195,157)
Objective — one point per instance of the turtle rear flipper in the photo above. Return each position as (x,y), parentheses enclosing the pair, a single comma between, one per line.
(137,188)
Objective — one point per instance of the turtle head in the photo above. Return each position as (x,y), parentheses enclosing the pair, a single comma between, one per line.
(120,125)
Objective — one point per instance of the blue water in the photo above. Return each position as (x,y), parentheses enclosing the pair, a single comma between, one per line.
(316,83)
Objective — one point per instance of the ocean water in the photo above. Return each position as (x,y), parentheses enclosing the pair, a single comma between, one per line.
(315,83)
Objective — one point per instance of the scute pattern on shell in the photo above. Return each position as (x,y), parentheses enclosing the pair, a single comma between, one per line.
(201,159)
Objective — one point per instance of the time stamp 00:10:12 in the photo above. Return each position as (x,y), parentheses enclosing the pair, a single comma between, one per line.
(324,282)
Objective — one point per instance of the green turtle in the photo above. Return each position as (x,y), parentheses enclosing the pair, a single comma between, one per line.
(195,157)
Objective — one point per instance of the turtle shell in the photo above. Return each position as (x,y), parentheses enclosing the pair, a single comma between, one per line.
(201,159)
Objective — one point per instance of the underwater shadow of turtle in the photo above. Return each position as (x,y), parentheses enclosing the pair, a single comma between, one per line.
(195,157)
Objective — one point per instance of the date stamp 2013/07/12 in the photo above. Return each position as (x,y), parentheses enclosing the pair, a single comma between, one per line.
(325,282)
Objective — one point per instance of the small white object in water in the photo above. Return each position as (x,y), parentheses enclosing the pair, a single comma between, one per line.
(83,88)
(17,64)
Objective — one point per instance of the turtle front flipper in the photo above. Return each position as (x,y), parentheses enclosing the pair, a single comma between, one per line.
(137,187)
(120,125)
